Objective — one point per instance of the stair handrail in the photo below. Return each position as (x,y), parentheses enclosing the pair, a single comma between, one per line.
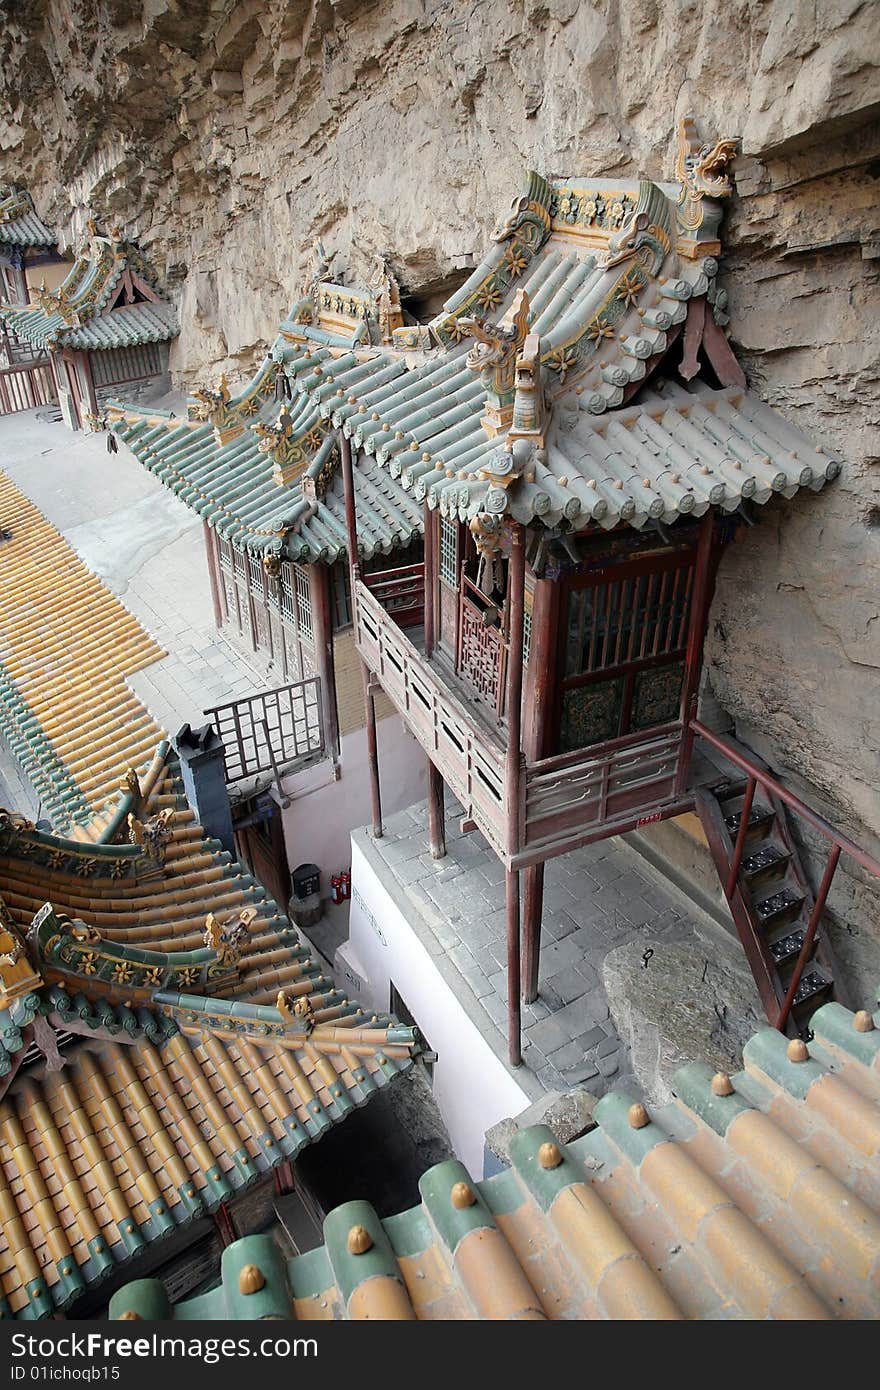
(841,844)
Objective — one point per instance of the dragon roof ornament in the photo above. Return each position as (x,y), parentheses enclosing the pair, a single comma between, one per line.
(529,216)
(703,170)
(646,233)
(494,357)
(216,408)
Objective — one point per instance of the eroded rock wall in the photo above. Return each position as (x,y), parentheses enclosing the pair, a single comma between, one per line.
(226,136)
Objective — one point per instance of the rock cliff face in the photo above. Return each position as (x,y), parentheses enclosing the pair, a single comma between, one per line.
(226,136)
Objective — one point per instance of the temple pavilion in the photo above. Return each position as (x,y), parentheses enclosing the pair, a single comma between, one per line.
(582,445)
(107,324)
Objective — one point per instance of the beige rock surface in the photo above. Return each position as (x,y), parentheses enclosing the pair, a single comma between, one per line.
(227,135)
(694,999)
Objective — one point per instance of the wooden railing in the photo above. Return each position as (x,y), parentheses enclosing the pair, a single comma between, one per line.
(401,593)
(566,801)
(23,387)
(270,731)
(840,844)
(471,763)
(607,787)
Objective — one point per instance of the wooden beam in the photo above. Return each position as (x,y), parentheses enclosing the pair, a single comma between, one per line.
(213,571)
(533,908)
(693,336)
(541,672)
(516,577)
(322,630)
(372,754)
(514,1013)
(430,602)
(436,813)
(350,506)
(513,696)
(704,585)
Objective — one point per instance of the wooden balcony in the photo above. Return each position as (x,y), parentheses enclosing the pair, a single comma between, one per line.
(565,801)
(471,762)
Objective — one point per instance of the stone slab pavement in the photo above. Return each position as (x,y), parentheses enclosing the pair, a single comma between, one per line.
(595,899)
(145,545)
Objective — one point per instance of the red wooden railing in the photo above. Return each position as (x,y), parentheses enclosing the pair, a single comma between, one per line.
(23,387)
(840,844)
(401,593)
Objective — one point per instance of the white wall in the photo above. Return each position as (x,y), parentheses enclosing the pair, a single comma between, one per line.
(322,813)
(472,1087)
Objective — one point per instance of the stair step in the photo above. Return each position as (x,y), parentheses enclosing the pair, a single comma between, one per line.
(785,948)
(762,861)
(812,984)
(777,905)
(758,816)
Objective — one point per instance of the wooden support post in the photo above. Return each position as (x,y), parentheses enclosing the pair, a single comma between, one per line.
(513,696)
(514,1014)
(430,600)
(372,754)
(350,507)
(84,361)
(213,571)
(516,577)
(541,673)
(322,627)
(533,908)
(704,584)
(436,813)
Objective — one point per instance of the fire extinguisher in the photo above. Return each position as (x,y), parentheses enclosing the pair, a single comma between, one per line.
(338,895)
(345,881)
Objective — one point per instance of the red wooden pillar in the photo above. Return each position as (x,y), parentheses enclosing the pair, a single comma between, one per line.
(538,721)
(372,754)
(84,368)
(225,1225)
(513,783)
(704,584)
(322,624)
(436,813)
(355,564)
(430,601)
(533,912)
(213,571)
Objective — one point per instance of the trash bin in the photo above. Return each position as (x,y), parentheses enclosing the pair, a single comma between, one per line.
(304,907)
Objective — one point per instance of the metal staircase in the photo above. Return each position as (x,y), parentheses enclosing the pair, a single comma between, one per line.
(777,915)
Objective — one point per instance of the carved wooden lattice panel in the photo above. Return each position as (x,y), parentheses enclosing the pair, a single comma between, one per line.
(479,656)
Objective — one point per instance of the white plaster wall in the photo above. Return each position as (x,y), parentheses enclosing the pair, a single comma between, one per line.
(322,814)
(472,1087)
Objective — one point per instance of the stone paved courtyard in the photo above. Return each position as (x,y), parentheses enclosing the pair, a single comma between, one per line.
(595,899)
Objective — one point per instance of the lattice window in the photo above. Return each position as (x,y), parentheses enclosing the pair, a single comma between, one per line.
(287,594)
(529,599)
(256,576)
(224,550)
(341,595)
(239,563)
(303,602)
(628,620)
(449,551)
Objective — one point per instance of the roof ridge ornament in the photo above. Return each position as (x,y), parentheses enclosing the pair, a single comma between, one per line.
(216,408)
(703,170)
(646,234)
(494,358)
(529,216)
